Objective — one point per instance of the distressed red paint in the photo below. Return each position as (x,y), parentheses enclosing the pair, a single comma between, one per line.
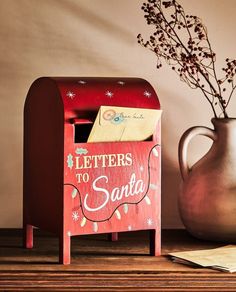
(74,188)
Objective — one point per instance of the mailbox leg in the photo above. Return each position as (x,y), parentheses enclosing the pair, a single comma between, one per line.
(28,236)
(64,249)
(113,236)
(155,242)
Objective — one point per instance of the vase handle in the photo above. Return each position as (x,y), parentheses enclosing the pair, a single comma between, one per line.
(183,146)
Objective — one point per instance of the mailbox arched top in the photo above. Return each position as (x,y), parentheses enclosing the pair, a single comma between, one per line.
(82,96)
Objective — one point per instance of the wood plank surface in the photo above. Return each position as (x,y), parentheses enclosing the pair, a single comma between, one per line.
(102,265)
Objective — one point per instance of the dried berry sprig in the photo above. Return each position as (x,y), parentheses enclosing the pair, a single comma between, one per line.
(182,41)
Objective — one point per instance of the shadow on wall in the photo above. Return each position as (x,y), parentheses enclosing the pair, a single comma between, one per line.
(170,189)
(177,117)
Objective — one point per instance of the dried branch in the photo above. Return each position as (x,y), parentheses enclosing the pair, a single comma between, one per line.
(182,41)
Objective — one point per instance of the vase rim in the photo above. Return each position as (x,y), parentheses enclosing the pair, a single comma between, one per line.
(223,121)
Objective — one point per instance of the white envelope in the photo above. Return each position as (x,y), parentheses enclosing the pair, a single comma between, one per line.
(124,124)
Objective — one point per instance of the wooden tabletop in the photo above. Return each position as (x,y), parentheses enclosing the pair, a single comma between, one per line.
(101,265)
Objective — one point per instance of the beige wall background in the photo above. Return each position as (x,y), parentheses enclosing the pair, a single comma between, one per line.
(98,38)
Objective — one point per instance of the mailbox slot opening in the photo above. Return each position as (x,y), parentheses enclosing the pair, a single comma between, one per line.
(82,129)
(150,138)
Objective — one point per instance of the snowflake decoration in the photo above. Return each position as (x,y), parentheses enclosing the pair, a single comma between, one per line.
(149,222)
(109,93)
(141,168)
(75,216)
(70,94)
(121,82)
(129,227)
(147,94)
(82,82)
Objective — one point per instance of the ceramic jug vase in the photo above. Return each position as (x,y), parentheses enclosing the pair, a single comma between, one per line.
(207,199)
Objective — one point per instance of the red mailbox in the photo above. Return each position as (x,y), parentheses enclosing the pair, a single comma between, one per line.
(72,187)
